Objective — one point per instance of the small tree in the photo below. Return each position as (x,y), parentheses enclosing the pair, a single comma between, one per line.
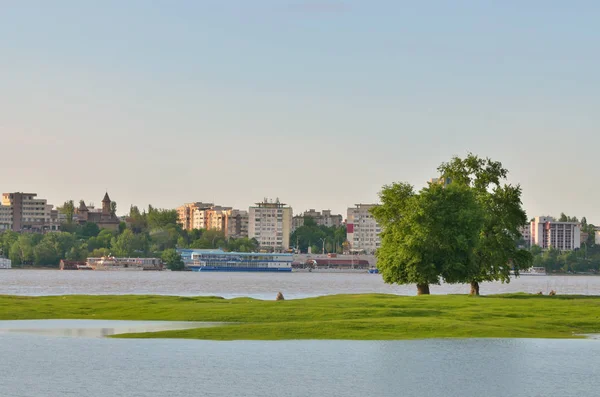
(173,260)
(68,209)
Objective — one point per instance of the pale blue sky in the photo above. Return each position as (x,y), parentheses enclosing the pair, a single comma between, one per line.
(318,103)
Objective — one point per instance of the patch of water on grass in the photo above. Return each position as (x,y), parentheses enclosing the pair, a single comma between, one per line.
(94,328)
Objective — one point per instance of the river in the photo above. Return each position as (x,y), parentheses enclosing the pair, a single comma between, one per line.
(257,285)
(42,366)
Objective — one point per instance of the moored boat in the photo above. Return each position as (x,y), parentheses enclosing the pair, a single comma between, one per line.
(199,260)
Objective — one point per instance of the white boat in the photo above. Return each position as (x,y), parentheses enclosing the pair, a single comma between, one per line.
(5,263)
(127,264)
(533,271)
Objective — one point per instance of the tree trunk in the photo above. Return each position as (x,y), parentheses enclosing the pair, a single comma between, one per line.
(422,289)
(474,288)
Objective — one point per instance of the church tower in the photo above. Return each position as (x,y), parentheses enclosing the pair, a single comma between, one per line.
(106,204)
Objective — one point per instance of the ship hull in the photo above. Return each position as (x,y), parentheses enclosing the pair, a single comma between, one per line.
(239,269)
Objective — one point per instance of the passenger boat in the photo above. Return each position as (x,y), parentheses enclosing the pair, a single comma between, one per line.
(129,264)
(335,265)
(200,260)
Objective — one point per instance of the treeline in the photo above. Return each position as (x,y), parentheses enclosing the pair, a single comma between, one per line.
(318,237)
(145,234)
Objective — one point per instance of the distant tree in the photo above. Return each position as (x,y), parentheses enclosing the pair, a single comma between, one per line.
(113,208)
(46,254)
(124,244)
(68,209)
(427,236)
(172,260)
(87,230)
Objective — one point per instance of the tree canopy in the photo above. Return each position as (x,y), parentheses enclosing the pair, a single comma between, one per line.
(497,252)
(427,236)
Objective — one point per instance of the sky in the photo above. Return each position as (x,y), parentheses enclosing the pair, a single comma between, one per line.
(318,103)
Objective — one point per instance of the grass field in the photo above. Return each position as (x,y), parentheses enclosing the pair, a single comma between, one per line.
(359,317)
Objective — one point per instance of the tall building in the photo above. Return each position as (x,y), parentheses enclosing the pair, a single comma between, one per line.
(362,229)
(323,218)
(546,233)
(185,213)
(27,213)
(237,224)
(271,224)
(597,236)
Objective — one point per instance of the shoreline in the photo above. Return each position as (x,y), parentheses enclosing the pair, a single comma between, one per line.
(332,317)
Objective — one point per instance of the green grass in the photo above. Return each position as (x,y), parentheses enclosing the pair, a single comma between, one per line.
(364,317)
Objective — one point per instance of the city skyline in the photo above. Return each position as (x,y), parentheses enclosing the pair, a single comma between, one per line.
(319,103)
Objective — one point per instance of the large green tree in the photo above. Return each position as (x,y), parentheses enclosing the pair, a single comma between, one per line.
(497,253)
(427,236)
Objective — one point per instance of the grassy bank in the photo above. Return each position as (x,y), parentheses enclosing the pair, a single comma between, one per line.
(371,316)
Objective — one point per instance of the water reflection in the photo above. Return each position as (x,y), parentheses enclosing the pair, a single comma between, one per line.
(94,328)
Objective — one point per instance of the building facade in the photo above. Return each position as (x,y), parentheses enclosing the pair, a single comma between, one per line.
(270,223)
(362,229)
(233,223)
(323,218)
(5,218)
(104,218)
(26,213)
(547,233)
(237,224)
(185,213)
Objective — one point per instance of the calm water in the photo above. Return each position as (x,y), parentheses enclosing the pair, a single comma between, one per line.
(262,286)
(37,366)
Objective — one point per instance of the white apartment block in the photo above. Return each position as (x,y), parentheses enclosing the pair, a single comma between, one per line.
(362,229)
(546,233)
(28,213)
(270,223)
(597,236)
(323,218)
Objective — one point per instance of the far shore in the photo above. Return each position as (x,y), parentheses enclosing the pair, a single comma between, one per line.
(353,317)
(341,272)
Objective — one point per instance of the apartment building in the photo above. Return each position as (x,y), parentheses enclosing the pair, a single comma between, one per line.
(237,224)
(28,213)
(546,233)
(362,229)
(185,213)
(271,224)
(5,218)
(323,218)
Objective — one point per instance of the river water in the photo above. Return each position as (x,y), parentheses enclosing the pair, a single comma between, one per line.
(41,366)
(257,285)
